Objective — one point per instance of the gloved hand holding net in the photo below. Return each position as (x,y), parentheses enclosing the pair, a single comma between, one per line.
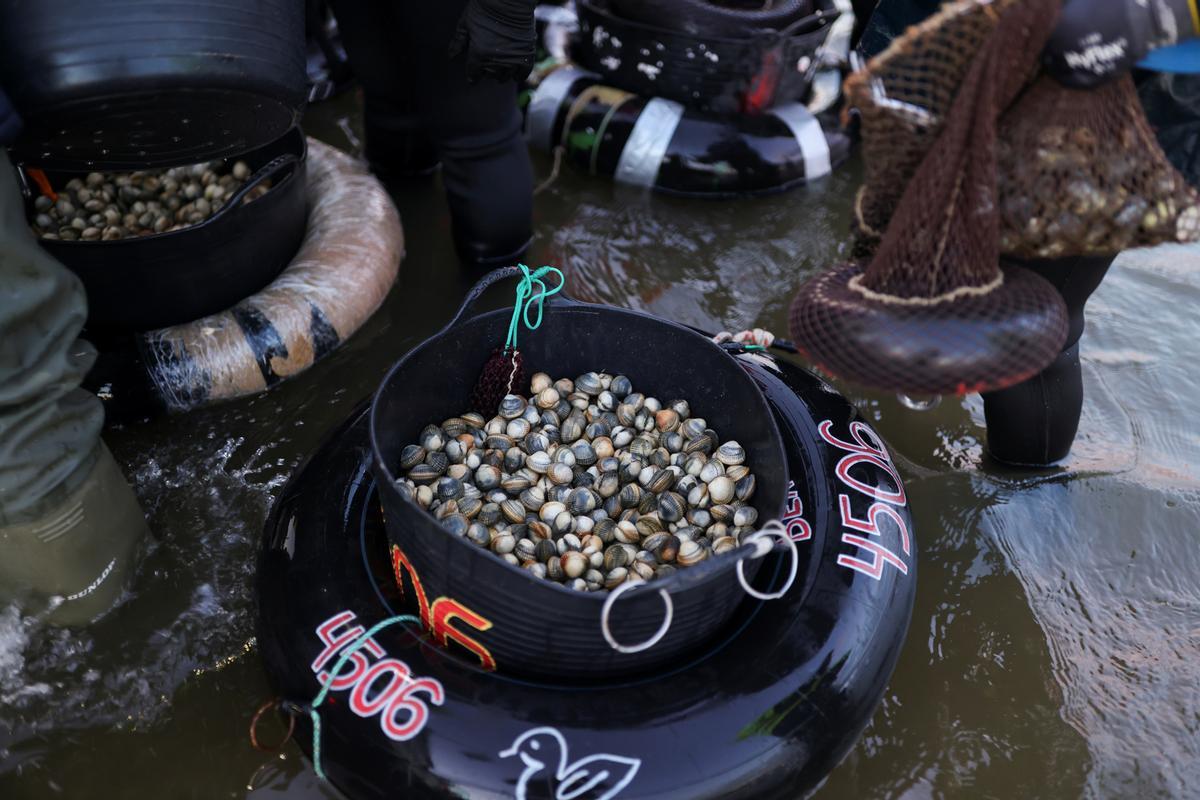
(972,154)
(1098,40)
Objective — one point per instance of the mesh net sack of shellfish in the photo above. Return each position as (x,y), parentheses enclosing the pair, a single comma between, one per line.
(973,157)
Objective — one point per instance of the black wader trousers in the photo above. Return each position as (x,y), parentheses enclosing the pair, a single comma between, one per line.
(420,109)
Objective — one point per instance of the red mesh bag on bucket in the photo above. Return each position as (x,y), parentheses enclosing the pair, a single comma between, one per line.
(971,156)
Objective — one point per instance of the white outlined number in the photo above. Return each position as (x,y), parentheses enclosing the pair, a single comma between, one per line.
(874,556)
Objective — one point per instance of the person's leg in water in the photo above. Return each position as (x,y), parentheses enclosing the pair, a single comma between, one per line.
(1034,423)
(396,146)
(70,525)
(475,128)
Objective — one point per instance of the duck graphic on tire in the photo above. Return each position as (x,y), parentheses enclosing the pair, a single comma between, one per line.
(544,752)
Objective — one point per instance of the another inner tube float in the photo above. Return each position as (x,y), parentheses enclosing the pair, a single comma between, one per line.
(663,143)
(346,264)
(660,144)
(765,709)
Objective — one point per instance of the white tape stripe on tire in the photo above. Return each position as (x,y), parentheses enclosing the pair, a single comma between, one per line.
(543,106)
(648,141)
(810,136)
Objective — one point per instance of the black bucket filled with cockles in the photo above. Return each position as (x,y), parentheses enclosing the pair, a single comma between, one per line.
(594,499)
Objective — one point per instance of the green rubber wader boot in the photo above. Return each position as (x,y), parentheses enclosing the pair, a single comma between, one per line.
(72,558)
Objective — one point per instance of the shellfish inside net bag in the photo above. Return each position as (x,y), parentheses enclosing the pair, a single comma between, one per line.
(974,159)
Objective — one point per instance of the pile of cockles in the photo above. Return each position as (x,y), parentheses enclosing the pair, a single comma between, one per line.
(588,482)
(1064,200)
(106,205)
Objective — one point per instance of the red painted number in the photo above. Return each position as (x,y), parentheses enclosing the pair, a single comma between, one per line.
(863,453)
(880,555)
(385,687)
(397,672)
(335,643)
(417,711)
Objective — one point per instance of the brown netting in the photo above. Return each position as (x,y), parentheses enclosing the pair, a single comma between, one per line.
(970,155)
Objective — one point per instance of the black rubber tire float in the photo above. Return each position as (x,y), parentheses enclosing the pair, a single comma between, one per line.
(660,144)
(765,710)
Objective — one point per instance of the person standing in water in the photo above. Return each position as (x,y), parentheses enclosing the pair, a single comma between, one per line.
(70,525)
(1034,423)
(439,83)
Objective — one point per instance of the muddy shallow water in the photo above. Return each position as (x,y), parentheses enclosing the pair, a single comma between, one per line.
(1055,644)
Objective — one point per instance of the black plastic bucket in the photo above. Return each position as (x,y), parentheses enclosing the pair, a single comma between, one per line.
(151,282)
(734,73)
(539,627)
(143,83)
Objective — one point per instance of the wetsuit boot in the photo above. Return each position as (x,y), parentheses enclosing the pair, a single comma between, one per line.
(396,146)
(1033,424)
(489,186)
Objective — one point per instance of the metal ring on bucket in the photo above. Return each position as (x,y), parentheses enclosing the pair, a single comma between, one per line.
(772,528)
(653,640)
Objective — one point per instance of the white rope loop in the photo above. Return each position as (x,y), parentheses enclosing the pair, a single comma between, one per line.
(653,640)
(759,336)
(761,539)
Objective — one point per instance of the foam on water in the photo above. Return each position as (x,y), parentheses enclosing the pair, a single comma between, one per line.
(190,605)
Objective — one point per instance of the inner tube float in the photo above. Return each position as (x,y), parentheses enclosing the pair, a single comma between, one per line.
(659,144)
(346,264)
(765,709)
(703,17)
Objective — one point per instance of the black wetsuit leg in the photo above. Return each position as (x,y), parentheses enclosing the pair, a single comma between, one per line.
(1034,423)
(399,51)
(396,143)
(477,130)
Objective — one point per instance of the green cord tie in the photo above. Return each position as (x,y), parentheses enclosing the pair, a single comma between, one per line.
(332,676)
(526,298)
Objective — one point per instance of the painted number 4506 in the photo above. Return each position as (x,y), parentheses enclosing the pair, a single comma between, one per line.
(377,683)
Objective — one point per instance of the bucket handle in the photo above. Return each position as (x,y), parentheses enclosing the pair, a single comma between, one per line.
(495,276)
(267,170)
(762,545)
(653,640)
